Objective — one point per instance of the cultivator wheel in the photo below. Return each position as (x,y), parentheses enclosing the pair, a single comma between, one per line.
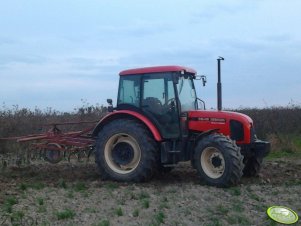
(53,153)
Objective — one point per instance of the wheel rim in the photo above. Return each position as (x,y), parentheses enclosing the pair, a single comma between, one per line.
(213,162)
(53,153)
(122,153)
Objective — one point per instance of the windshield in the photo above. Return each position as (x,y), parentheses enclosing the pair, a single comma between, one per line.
(186,93)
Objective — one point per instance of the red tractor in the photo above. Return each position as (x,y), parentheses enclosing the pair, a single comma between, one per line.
(157,123)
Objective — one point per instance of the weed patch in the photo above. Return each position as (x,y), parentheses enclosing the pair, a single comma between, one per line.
(80,187)
(8,204)
(119,212)
(103,223)
(158,219)
(65,214)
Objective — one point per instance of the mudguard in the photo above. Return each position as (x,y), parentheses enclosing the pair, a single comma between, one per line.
(128,114)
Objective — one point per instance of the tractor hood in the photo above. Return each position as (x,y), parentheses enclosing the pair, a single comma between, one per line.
(218,116)
(236,125)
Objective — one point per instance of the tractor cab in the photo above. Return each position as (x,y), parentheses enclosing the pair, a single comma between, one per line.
(162,94)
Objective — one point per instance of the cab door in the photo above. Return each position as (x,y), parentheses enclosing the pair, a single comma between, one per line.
(158,102)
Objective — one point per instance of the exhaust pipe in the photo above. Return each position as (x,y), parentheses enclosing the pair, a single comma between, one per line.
(219,84)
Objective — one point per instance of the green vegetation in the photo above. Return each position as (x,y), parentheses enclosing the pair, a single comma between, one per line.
(136,213)
(145,203)
(234,191)
(33,185)
(16,217)
(111,186)
(40,201)
(158,219)
(8,204)
(143,195)
(119,212)
(80,187)
(65,214)
(222,210)
(238,219)
(103,223)
(62,183)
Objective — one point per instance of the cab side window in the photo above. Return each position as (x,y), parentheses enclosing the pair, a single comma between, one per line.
(129,90)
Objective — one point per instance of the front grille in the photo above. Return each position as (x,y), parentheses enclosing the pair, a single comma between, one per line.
(253,134)
(237,130)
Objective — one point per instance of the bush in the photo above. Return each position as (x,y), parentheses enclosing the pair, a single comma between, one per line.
(275,120)
(280,125)
(19,122)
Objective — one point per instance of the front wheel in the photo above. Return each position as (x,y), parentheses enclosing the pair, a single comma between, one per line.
(218,160)
(252,166)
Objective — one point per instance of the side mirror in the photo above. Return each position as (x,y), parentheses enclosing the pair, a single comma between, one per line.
(110,107)
(204,79)
(109,101)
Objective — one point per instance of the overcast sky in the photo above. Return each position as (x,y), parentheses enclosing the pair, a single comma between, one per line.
(55,53)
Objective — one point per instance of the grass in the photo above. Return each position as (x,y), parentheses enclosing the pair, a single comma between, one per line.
(136,213)
(111,186)
(70,194)
(80,187)
(8,204)
(62,183)
(16,217)
(103,223)
(34,185)
(234,191)
(285,146)
(238,219)
(145,203)
(158,219)
(119,212)
(40,201)
(255,197)
(214,221)
(164,203)
(65,214)
(221,209)
(143,195)
(238,206)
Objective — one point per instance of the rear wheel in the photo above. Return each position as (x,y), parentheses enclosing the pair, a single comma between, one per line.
(218,160)
(126,151)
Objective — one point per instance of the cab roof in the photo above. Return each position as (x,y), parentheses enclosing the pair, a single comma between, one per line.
(158,69)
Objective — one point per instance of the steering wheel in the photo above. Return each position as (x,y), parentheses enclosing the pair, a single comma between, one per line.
(170,105)
(170,100)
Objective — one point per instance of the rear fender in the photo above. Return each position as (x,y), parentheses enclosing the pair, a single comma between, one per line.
(128,114)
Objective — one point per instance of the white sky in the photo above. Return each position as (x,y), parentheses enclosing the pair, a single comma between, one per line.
(55,53)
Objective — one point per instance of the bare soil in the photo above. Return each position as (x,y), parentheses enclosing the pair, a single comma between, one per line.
(72,194)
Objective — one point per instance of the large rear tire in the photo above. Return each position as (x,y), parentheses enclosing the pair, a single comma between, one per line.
(218,160)
(126,151)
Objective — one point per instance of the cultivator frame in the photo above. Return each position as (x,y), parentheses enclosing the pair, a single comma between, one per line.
(54,145)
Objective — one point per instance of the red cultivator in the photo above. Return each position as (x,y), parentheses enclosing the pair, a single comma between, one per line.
(54,145)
